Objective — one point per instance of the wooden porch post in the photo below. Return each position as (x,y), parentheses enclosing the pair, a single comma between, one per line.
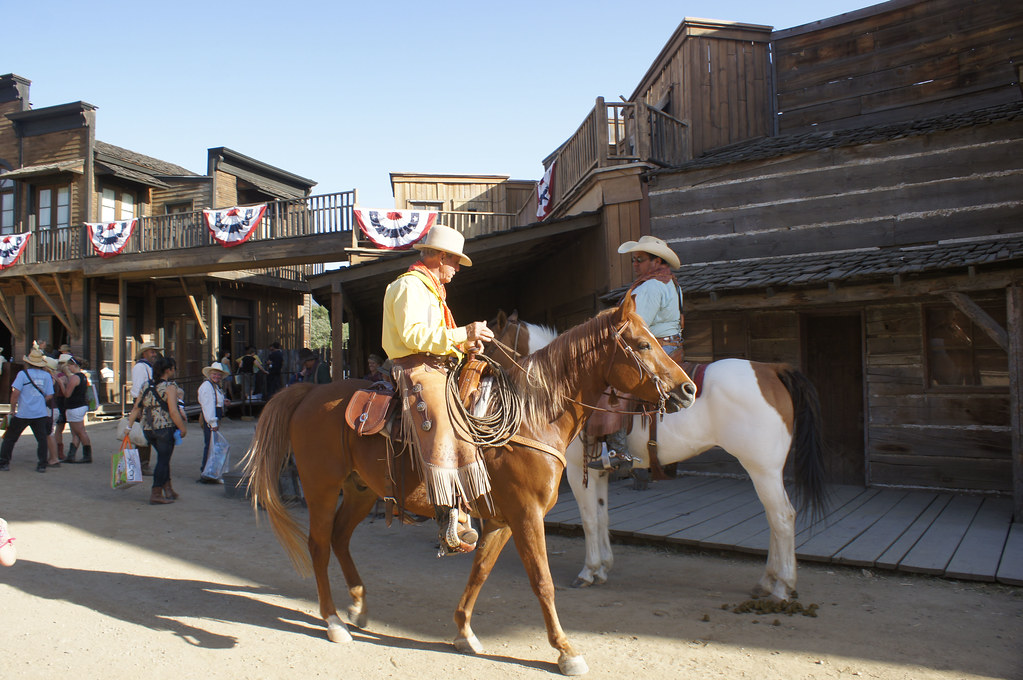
(122,322)
(1014,318)
(600,111)
(337,316)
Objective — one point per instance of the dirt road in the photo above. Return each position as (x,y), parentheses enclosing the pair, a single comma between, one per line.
(109,586)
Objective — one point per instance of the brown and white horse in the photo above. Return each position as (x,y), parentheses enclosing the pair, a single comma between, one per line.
(307,421)
(758,412)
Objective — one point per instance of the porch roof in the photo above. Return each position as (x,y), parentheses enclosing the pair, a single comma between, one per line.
(76,166)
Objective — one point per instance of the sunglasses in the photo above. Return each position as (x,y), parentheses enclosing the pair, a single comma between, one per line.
(639,260)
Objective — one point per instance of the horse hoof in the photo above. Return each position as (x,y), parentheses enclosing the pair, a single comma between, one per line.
(337,631)
(581,583)
(358,617)
(469,645)
(572,665)
(759,591)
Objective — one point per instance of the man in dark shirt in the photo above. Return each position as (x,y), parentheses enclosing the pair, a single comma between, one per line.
(274,365)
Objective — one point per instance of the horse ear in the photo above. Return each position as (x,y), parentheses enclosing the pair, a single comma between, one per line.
(514,315)
(501,321)
(628,305)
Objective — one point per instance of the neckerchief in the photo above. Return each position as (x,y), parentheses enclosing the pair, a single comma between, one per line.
(438,290)
(661,272)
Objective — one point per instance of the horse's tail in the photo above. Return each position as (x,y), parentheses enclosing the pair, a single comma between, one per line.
(266,457)
(807,447)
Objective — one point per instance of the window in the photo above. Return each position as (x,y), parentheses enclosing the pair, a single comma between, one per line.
(6,206)
(53,208)
(960,353)
(116,204)
(106,347)
(174,208)
(429,206)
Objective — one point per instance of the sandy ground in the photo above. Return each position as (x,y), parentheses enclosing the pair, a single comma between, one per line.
(109,586)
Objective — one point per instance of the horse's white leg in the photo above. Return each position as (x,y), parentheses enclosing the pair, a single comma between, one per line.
(586,497)
(779,579)
(603,531)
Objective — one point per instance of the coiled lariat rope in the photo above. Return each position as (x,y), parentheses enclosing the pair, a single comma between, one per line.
(504,410)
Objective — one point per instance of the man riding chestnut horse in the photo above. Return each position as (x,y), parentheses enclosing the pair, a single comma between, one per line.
(421,338)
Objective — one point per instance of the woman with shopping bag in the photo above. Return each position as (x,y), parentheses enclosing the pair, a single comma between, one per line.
(157,409)
(213,401)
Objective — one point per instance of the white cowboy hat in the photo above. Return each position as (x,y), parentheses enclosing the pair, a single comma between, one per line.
(147,345)
(51,363)
(215,366)
(36,358)
(654,246)
(446,239)
(64,358)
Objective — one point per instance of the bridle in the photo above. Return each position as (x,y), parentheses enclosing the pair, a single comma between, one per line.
(620,344)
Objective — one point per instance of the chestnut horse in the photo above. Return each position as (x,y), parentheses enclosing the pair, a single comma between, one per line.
(307,421)
(760,413)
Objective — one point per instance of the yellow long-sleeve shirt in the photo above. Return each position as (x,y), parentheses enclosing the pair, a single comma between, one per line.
(414,320)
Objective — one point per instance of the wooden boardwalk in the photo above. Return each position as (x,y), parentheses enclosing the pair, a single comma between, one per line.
(957,536)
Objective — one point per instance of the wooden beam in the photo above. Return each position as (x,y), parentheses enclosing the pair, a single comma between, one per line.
(978,316)
(8,318)
(64,301)
(337,317)
(1014,314)
(68,322)
(195,309)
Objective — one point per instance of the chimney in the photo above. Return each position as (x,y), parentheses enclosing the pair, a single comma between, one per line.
(14,88)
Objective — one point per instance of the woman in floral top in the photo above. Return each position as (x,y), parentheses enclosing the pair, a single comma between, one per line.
(157,408)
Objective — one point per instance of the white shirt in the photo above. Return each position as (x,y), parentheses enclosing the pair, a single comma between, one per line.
(210,397)
(141,373)
(658,305)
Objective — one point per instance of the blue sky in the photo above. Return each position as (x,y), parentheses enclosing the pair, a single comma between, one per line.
(344,93)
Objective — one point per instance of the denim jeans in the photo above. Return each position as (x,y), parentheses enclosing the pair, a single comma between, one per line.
(163,441)
(207,434)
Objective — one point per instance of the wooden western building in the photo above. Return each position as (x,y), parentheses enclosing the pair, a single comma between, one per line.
(172,284)
(845,196)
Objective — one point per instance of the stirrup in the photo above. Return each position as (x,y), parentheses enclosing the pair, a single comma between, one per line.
(611,461)
(454,537)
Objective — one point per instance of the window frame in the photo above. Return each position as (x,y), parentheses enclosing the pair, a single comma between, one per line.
(997,311)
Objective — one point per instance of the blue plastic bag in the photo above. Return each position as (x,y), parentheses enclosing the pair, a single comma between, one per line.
(218,461)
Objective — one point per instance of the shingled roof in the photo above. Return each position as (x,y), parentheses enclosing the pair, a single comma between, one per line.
(140,162)
(763,148)
(852,266)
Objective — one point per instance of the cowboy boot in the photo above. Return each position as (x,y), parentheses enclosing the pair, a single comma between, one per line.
(169,491)
(86,453)
(455,536)
(156,497)
(72,451)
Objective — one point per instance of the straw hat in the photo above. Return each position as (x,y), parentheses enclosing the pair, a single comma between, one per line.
(654,246)
(65,349)
(446,239)
(147,345)
(36,358)
(51,363)
(215,366)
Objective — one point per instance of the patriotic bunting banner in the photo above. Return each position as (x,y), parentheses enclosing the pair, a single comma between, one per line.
(394,229)
(544,194)
(108,239)
(11,247)
(233,226)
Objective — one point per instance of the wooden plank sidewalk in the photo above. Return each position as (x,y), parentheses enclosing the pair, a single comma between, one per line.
(967,537)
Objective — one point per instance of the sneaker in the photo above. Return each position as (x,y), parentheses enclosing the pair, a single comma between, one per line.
(4,466)
(41,467)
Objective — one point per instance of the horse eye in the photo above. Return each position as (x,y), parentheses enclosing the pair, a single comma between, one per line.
(644,346)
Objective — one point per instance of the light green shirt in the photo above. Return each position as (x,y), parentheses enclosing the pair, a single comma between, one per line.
(658,305)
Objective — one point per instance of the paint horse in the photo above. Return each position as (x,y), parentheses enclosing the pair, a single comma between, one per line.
(760,413)
(307,421)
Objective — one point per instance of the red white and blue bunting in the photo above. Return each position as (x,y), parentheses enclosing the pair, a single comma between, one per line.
(233,226)
(11,247)
(395,229)
(545,193)
(108,239)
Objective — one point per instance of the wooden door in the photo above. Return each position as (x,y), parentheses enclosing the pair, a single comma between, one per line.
(834,363)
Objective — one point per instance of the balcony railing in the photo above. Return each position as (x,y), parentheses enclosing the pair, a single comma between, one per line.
(614,134)
(323,214)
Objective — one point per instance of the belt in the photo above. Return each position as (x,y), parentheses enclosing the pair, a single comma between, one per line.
(677,338)
(435,360)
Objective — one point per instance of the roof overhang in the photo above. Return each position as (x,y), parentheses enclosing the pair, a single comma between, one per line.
(494,256)
(76,167)
(129,174)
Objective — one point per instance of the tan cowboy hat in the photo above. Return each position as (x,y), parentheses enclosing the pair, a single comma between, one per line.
(147,345)
(446,239)
(36,358)
(654,246)
(215,366)
(65,349)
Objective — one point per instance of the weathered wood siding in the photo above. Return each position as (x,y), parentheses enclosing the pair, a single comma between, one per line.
(898,61)
(226,190)
(195,193)
(920,436)
(715,76)
(923,188)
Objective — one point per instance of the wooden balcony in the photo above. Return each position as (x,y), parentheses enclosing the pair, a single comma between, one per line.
(281,240)
(615,134)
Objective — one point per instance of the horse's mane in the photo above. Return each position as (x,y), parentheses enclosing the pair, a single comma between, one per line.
(540,336)
(551,372)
